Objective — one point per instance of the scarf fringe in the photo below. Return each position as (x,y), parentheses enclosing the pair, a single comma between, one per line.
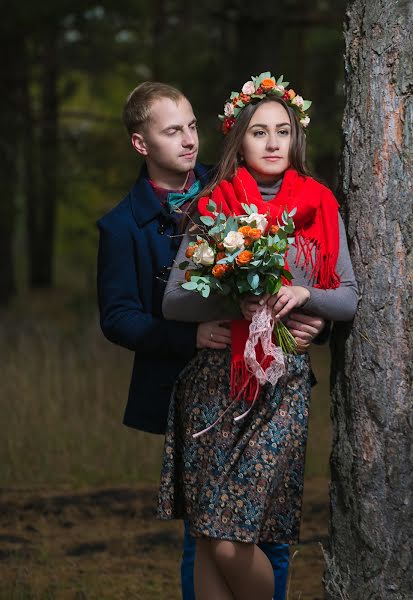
(321,267)
(242,382)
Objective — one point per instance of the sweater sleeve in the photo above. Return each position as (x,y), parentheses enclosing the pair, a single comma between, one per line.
(184,305)
(338,304)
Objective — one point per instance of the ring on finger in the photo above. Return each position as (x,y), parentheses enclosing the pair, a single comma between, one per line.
(211,335)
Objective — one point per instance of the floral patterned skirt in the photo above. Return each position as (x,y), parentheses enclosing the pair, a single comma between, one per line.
(243,480)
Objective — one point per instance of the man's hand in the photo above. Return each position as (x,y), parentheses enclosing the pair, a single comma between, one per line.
(304,328)
(213,334)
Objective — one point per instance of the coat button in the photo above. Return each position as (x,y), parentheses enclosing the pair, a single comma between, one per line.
(163,271)
(161,229)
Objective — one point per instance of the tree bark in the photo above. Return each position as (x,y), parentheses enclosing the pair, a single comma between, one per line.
(371,462)
(12,50)
(42,202)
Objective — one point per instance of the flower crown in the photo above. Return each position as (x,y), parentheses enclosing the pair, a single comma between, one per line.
(256,89)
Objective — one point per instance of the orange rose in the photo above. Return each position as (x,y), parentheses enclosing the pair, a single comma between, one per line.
(188,275)
(219,271)
(255,234)
(190,251)
(273,229)
(267,84)
(291,94)
(245,98)
(247,242)
(244,258)
(245,230)
(220,256)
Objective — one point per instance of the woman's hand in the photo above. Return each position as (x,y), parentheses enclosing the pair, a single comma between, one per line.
(213,334)
(288,298)
(304,329)
(250,304)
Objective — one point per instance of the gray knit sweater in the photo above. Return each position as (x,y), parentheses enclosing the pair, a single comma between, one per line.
(334,304)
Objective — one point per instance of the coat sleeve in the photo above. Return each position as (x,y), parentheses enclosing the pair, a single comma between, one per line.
(122,317)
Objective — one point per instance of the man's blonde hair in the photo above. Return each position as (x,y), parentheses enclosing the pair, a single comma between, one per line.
(137,109)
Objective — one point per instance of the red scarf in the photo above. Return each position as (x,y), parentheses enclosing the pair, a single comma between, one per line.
(316,232)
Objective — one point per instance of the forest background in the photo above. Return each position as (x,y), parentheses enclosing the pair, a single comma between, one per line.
(65,160)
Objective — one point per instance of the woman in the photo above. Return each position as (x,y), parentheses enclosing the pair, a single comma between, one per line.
(241,482)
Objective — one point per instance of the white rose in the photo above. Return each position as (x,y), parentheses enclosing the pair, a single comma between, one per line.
(234,240)
(203,255)
(260,221)
(298,100)
(280,88)
(248,88)
(304,122)
(228,109)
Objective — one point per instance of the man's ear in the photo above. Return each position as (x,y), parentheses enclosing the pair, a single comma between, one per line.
(138,142)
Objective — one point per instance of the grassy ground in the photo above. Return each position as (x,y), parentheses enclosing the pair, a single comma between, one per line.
(105,544)
(78,489)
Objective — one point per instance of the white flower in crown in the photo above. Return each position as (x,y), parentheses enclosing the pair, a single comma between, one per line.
(203,255)
(259,220)
(280,88)
(248,88)
(304,122)
(298,101)
(234,240)
(229,109)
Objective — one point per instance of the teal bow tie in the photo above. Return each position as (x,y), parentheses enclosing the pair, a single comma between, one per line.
(175,200)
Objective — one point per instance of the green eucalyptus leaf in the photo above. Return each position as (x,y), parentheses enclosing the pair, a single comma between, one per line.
(190,285)
(208,221)
(253,279)
(211,206)
(183,265)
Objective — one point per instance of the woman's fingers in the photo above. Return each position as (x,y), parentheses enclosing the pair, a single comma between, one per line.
(287,298)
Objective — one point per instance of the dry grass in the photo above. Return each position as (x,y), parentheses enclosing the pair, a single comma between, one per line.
(62,399)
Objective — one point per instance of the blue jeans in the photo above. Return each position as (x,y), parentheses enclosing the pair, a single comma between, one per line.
(278,555)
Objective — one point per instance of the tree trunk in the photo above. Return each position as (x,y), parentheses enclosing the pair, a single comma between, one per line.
(41,220)
(371,462)
(12,48)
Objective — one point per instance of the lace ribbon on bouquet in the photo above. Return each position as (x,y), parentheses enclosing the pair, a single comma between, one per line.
(267,370)
(260,331)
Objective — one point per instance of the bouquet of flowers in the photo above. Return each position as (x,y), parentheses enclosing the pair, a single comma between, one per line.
(240,255)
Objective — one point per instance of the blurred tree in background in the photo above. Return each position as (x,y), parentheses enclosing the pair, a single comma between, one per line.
(68,68)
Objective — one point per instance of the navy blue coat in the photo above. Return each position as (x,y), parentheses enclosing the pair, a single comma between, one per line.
(135,252)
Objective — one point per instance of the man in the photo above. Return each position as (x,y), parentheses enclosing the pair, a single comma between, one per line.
(139,239)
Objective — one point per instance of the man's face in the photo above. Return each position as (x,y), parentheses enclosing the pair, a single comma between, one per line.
(169,140)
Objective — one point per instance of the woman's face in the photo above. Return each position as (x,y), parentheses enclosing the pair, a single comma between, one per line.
(266,142)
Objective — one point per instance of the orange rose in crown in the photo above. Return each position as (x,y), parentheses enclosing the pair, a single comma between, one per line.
(267,84)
